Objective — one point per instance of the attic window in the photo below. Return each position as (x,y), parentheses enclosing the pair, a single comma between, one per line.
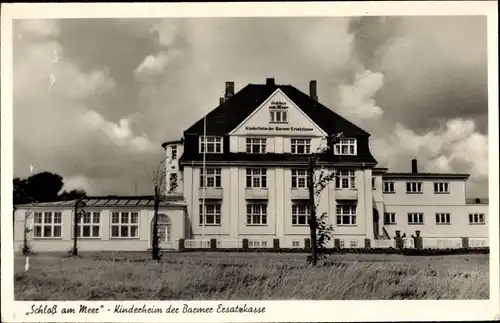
(211,144)
(346,146)
(278,116)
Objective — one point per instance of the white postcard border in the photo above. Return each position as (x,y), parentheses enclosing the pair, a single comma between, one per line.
(289,311)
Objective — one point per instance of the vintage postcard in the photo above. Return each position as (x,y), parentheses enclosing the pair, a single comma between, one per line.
(250,162)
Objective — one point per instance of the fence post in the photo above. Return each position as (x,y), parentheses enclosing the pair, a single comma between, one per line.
(276,243)
(213,244)
(245,244)
(368,243)
(399,240)
(307,243)
(465,242)
(417,240)
(181,244)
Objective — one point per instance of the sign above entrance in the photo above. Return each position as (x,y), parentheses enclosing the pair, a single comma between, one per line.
(278,128)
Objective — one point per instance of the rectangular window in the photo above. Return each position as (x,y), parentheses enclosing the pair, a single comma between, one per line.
(212,214)
(256,177)
(278,116)
(389,218)
(300,178)
(300,213)
(413,187)
(388,187)
(443,218)
(346,214)
(441,187)
(300,146)
(476,218)
(173,180)
(296,243)
(345,179)
(257,214)
(256,145)
(213,178)
(124,224)
(47,225)
(174,152)
(88,225)
(353,243)
(346,146)
(415,218)
(257,243)
(374,184)
(342,244)
(211,144)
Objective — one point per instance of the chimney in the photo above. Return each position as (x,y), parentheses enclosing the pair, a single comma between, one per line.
(221,101)
(270,81)
(313,91)
(414,169)
(229,90)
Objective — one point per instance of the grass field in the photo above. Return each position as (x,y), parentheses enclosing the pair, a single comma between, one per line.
(238,276)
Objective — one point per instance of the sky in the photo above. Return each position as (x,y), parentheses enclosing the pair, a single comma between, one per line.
(94,99)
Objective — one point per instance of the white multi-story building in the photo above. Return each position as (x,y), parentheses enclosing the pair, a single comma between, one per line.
(241,172)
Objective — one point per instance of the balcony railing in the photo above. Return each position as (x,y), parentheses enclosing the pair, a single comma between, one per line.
(346,194)
(300,193)
(211,193)
(256,193)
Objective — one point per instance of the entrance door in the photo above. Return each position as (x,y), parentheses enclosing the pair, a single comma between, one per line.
(164,231)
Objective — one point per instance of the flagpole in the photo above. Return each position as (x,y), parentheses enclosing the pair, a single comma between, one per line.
(204,176)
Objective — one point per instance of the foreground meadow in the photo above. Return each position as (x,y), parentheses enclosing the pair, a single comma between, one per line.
(256,276)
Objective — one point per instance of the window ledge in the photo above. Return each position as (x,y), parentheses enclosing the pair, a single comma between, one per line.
(416,223)
(443,223)
(209,225)
(414,192)
(256,225)
(87,238)
(441,192)
(300,225)
(47,238)
(388,192)
(392,223)
(124,238)
(347,225)
(477,223)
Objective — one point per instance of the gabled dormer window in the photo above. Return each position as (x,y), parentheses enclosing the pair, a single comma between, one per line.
(346,146)
(211,144)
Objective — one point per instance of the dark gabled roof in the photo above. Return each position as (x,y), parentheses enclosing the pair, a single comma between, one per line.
(113,201)
(426,175)
(234,111)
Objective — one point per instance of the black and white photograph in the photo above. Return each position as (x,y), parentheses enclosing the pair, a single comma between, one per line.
(248,158)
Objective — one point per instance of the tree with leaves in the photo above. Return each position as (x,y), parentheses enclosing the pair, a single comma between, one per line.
(42,187)
(320,230)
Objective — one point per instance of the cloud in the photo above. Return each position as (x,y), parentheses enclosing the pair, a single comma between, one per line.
(455,147)
(56,126)
(77,182)
(119,134)
(153,64)
(357,99)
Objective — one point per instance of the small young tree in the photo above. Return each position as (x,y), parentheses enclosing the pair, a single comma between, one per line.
(160,191)
(320,231)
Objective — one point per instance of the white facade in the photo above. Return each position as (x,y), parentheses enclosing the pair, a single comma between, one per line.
(365,209)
